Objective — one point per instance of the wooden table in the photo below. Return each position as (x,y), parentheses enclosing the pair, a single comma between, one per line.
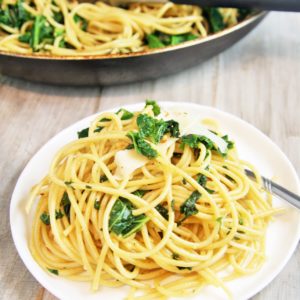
(257,80)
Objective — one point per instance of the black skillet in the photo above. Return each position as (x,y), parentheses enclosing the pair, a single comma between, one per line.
(125,68)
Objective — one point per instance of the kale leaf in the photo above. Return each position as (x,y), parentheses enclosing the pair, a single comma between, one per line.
(155,106)
(175,256)
(173,128)
(230,144)
(139,193)
(53,271)
(215,19)
(122,221)
(185,268)
(163,211)
(141,146)
(159,39)
(83,23)
(66,204)
(194,140)
(151,128)
(243,13)
(14,15)
(41,31)
(188,208)
(58,214)
(97,204)
(83,133)
(103,178)
(155,129)
(45,218)
(202,180)
(126,115)
(154,42)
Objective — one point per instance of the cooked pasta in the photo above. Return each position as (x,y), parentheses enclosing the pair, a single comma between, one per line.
(70,28)
(153,200)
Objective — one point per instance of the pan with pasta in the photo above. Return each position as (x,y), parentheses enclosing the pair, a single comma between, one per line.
(154,200)
(69,28)
(69,43)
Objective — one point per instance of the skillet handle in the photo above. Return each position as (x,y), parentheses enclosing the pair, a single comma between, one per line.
(276,5)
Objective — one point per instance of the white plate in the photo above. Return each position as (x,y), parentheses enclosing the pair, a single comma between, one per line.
(282,236)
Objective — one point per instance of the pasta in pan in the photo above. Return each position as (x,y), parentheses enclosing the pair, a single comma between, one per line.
(71,28)
(152,200)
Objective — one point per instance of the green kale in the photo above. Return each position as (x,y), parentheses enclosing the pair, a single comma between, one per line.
(243,13)
(188,208)
(14,15)
(126,115)
(202,180)
(159,39)
(215,19)
(141,146)
(83,133)
(154,42)
(66,204)
(129,147)
(41,31)
(163,211)
(83,23)
(105,120)
(230,144)
(25,38)
(155,129)
(177,39)
(175,256)
(58,32)
(173,128)
(97,204)
(151,128)
(53,271)
(139,193)
(122,221)
(103,178)
(185,268)
(98,129)
(155,106)
(45,218)
(219,220)
(58,214)
(194,140)
(173,205)
(58,17)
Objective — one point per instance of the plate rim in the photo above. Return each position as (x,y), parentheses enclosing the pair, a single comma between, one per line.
(14,199)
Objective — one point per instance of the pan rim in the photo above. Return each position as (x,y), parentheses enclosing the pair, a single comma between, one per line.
(257,15)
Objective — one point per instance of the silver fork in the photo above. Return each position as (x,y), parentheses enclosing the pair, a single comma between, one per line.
(277,190)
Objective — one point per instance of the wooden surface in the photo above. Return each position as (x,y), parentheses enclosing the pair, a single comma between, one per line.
(257,80)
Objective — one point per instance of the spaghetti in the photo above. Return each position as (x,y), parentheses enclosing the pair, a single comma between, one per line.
(152,200)
(62,27)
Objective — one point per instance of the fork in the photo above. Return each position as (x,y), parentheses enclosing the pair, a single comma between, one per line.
(277,190)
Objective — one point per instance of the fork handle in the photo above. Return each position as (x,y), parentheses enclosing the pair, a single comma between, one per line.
(281,192)
(276,5)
